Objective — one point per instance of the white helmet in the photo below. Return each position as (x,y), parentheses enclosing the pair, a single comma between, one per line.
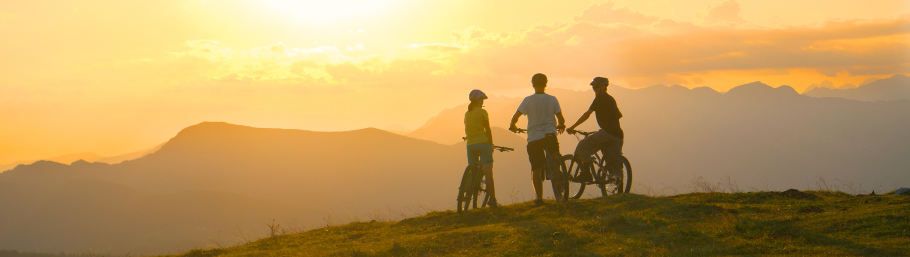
(476,94)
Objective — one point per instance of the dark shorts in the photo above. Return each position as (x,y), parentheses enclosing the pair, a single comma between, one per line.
(536,148)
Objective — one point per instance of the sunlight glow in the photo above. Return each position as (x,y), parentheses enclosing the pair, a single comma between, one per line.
(324,11)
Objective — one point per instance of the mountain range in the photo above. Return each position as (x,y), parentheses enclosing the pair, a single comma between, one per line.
(894,88)
(88,157)
(218,182)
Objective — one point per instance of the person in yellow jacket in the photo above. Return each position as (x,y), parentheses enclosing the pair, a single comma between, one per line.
(480,140)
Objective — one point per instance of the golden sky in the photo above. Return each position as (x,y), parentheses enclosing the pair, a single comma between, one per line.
(112,77)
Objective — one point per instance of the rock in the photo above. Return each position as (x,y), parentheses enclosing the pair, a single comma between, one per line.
(902,191)
(796,194)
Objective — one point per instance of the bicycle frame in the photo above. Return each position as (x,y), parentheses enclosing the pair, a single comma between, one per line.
(602,164)
(472,183)
(561,186)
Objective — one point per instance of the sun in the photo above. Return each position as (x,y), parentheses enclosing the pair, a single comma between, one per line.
(327,10)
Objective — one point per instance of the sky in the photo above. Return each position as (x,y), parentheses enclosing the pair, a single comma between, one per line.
(112,77)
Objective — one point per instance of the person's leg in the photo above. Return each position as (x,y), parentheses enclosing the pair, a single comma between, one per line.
(491,186)
(538,164)
(486,159)
(537,181)
(551,144)
(615,149)
(586,147)
(611,147)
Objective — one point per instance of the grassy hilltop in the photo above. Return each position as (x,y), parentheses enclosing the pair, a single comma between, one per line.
(698,224)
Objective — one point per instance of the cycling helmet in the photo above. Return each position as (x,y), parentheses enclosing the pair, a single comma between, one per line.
(600,81)
(476,94)
(539,79)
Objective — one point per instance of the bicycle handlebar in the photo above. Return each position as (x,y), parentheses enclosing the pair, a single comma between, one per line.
(584,133)
(498,148)
(503,148)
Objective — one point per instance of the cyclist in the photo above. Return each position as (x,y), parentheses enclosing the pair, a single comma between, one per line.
(541,109)
(609,138)
(480,139)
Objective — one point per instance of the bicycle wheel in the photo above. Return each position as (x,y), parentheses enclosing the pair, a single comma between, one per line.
(477,179)
(619,176)
(599,172)
(558,179)
(482,193)
(628,168)
(465,189)
(573,168)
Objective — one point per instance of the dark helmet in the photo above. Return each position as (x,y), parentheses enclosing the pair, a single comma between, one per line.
(600,81)
(539,79)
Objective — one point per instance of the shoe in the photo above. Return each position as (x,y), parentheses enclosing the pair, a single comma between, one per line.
(537,203)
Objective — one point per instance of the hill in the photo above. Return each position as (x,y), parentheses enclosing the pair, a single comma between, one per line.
(699,224)
(764,138)
(219,181)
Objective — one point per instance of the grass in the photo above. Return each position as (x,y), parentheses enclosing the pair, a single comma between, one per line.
(697,224)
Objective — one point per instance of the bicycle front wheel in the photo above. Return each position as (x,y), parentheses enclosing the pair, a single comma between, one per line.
(482,194)
(574,170)
(628,167)
(558,179)
(466,189)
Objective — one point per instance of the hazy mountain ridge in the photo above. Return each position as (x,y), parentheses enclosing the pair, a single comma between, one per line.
(88,157)
(894,88)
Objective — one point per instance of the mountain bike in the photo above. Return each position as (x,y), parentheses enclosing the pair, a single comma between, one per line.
(608,180)
(557,173)
(474,185)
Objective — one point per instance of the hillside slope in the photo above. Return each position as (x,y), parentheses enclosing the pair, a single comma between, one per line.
(222,180)
(700,224)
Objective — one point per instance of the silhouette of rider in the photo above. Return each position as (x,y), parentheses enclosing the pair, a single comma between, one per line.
(541,109)
(609,138)
(480,139)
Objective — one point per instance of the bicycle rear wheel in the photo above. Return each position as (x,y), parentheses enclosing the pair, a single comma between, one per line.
(574,170)
(619,176)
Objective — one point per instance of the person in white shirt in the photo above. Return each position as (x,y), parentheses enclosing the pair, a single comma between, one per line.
(543,113)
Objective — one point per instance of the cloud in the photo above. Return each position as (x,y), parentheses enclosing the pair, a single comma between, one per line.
(663,51)
(607,13)
(437,47)
(726,12)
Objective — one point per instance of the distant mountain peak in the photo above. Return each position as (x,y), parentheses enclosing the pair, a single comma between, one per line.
(758,89)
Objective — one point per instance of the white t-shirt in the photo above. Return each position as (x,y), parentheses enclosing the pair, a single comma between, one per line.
(541,110)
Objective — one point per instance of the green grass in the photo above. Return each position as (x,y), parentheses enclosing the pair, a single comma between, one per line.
(698,224)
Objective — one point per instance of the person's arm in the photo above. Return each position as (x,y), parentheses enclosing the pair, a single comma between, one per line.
(562,123)
(515,117)
(486,126)
(584,117)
